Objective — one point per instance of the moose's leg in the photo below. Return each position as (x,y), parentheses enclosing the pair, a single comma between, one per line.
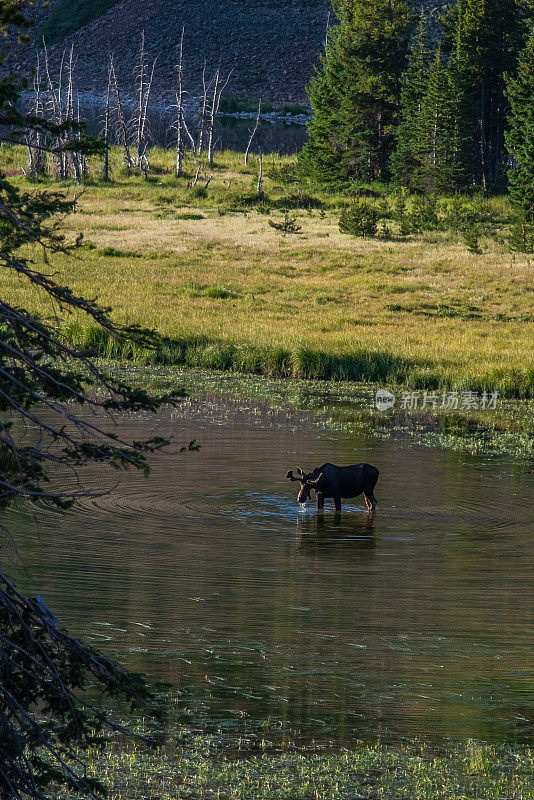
(320,501)
(337,502)
(370,500)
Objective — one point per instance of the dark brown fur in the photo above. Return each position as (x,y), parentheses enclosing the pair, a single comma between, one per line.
(338,483)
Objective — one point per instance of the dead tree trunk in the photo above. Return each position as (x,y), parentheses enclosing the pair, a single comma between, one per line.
(203,110)
(211,117)
(141,95)
(34,140)
(73,159)
(180,108)
(53,107)
(121,120)
(253,132)
(259,185)
(218,88)
(105,136)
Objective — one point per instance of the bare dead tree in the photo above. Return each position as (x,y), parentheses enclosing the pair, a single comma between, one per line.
(144,87)
(73,158)
(53,106)
(34,137)
(219,86)
(141,67)
(203,110)
(259,185)
(180,107)
(211,116)
(58,102)
(193,183)
(106,129)
(253,132)
(121,119)
(188,133)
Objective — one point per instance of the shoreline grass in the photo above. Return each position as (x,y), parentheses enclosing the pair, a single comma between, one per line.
(196,765)
(507,431)
(300,362)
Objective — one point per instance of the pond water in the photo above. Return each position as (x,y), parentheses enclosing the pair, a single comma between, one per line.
(231,133)
(417,621)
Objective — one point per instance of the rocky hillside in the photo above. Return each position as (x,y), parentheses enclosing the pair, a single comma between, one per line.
(270,46)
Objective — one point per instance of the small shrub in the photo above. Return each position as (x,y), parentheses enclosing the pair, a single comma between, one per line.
(470,236)
(424,214)
(190,215)
(521,237)
(213,292)
(283,173)
(113,252)
(400,214)
(360,219)
(385,230)
(287,225)
(245,200)
(164,200)
(199,192)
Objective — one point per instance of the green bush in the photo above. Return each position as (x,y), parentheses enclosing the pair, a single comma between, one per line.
(400,214)
(521,236)
(424,214)
(199,192)
(360,219)
(287,225)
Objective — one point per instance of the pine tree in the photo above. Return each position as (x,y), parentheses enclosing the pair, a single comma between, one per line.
(441,138)
(356,92)
(520,138)
(483,39)
(407,160)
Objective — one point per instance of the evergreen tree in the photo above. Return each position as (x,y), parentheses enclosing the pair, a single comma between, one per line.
(520,138)
(429,137)
(407,160)
(355,94)
(483,39)
(441,138)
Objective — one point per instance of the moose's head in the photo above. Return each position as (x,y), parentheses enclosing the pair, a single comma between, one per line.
(307,483)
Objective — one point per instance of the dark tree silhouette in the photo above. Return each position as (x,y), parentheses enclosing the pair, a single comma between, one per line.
(44,381)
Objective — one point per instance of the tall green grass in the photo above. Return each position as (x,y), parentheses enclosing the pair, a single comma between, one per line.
(373,366)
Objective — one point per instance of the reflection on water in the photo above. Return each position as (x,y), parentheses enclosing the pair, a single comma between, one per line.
(231,133)
(417,620)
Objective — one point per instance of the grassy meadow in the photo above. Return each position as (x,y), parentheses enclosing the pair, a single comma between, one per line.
(207,269)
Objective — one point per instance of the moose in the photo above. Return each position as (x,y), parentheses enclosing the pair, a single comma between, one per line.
(337,482)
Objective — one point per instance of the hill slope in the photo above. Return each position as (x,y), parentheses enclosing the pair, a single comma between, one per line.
(271,45)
